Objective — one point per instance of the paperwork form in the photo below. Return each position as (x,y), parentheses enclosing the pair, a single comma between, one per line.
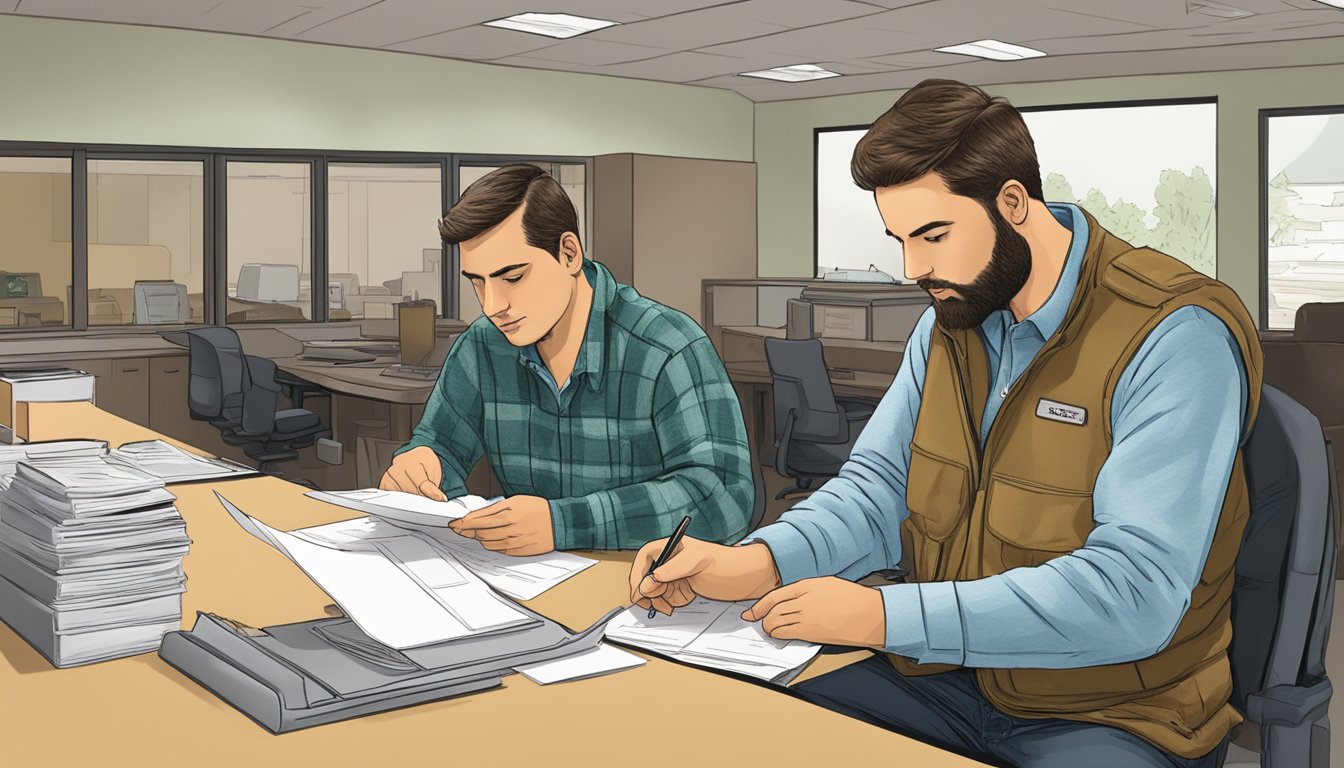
(710,633)
(397,589)
(522,578)
(400,507)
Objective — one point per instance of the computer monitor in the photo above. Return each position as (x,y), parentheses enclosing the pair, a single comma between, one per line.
(268,282)
(415,326)
(160,301)
(20,285)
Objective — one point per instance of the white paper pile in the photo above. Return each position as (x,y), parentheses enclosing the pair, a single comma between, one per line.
(90,558)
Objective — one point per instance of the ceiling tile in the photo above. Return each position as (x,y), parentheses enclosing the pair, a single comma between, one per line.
(581,50)
(478,43)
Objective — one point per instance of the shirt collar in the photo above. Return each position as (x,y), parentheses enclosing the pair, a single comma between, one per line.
(1051,315)
(592,353)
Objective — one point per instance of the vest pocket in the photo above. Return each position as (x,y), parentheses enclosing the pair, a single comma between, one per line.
(1034,523)
(936,493)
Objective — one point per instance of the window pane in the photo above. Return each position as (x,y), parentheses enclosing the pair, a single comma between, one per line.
(1305,213)
(1146,173)
(572,177)
(383,240)
(1154,184)
(146,242)
(35,253)
(270,249)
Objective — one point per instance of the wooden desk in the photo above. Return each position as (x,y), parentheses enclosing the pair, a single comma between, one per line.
(140,711)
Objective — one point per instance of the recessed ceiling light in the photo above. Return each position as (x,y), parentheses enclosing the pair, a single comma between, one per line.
(561,25)
(796,73)
(993,49)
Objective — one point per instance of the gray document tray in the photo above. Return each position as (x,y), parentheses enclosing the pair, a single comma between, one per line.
(293,676)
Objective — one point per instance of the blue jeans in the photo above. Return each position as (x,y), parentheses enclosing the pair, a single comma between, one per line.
(948,711)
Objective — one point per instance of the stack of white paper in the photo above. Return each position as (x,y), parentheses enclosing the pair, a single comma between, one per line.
(522,578)
(90,559)
(11,455)
(174,465)
(710,633)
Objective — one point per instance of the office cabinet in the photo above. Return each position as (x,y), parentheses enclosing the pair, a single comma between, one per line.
(664,224)
(122,386)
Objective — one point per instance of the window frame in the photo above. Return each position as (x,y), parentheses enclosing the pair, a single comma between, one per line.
(1068,106)
(215,222)
(1262,173)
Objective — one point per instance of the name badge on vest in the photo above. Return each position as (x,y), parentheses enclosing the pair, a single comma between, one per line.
(1069,414)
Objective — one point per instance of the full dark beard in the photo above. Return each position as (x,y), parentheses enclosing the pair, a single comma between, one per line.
(1008,269)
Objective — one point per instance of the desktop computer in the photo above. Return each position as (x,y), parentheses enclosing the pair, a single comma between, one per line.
(415,326)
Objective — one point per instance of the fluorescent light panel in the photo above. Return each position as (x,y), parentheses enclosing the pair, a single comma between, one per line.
(1332,3)
(993,49)
(560,25)
(796,73)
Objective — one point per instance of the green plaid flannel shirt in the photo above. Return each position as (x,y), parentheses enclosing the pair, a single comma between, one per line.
(648,430)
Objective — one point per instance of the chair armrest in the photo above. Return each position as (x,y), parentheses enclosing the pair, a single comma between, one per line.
(856,408)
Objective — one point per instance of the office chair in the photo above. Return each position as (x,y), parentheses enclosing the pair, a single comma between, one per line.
(1284,592)
(814,430)
(236,393)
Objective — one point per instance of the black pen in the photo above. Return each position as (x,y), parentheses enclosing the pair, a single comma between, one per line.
(668,549)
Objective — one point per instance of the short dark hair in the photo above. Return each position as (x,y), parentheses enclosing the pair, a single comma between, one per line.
(495,196)
(973,141)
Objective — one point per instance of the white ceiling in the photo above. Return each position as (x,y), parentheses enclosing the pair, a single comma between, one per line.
(876,44)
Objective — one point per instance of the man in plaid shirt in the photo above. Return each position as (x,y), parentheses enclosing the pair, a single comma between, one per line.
(606,416)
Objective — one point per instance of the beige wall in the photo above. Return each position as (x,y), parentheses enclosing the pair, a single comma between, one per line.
(784,133)
(104,83)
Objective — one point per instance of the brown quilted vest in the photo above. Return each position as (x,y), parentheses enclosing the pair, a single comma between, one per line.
(1027,498)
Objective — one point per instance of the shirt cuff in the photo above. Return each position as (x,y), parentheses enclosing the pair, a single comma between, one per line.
(791,551)
(924,622)
(564,514)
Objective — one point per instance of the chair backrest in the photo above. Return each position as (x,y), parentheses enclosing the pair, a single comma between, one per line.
(1319,321)
(801,384)
(217,377)
(1282,600)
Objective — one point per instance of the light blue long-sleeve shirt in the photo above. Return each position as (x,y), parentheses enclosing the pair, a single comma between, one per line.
(1177,418)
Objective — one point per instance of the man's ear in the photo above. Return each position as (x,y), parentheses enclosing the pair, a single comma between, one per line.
(571,253)
(1012,202)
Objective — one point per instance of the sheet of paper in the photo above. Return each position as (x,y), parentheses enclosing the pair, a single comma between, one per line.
(397,506)
(522,578)
(596,661)
(172,464)
(376,591)
(713,634)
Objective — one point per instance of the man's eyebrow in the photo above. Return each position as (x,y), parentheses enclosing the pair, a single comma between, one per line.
(496,273)
(509,268)
(930,225)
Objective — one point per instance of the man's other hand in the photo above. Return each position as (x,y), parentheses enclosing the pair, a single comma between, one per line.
(518,525)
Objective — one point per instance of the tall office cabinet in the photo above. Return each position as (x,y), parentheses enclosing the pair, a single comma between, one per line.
(663,224)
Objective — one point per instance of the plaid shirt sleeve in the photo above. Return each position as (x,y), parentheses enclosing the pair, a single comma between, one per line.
(451,425)
(699,428)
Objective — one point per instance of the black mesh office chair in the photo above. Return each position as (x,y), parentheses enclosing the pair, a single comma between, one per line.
(236,393)
(814,430)
(1284,593)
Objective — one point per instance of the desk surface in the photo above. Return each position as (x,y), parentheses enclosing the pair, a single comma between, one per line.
(141,710)
(359,379)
